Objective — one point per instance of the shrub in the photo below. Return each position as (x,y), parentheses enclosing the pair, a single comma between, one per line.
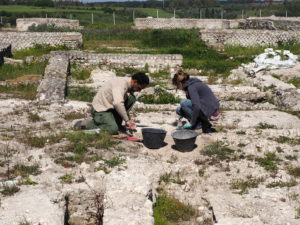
(168,210)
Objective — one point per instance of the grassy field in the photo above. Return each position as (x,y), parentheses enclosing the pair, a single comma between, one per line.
(83,14)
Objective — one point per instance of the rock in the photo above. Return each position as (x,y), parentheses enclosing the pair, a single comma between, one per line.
(99,77)
(12,61)
(29,59)
(288,100)
(245,93)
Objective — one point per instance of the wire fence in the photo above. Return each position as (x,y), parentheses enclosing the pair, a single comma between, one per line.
(128,15)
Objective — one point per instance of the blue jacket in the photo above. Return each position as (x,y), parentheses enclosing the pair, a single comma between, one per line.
(202,98)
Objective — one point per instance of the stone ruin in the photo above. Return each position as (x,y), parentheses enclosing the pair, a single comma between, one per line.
(22,40)
(23,24)
(252,31)
(53,86)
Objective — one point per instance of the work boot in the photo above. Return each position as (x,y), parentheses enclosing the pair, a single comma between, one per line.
(210,130)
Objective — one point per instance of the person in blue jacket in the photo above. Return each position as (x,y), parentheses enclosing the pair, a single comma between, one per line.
(201,104)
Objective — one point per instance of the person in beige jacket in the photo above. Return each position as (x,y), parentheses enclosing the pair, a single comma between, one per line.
(113,102)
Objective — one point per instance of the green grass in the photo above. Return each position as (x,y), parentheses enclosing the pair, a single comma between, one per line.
(78,149)
(167,178)
(265,126)
(295,81)
(32,117)
(37,50)
(268,162)
(218,151)
(288,140)
(26,170)
(114,161)
(245,185)
(67,178)
(40,141)
(170,211)
(74,116)
(78,93)
(159,97)
(22,91)
(9,191)
(10,72)
(282,184)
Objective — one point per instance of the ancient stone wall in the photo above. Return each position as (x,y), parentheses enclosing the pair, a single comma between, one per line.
(5,51)
(271,23)
(53,85)
(220,38)
(24,23)
(154,62)
(21,40)
(171,23)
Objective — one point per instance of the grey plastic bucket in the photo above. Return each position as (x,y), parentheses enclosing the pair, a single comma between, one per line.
(184,140)
(153,138)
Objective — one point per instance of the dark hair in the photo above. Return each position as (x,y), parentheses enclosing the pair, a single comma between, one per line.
(179,78)
(141,78)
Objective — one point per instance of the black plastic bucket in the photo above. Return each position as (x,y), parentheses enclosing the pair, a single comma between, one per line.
(153,138)
(184,140)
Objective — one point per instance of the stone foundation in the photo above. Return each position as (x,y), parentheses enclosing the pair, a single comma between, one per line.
(22,40)
(53,86)
(172,23)
(24,23)
(246,38)
(154,62)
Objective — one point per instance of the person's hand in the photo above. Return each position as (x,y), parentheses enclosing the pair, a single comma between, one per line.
(130,124)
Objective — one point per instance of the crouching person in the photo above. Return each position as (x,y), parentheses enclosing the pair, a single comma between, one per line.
(112,103)
(201,104)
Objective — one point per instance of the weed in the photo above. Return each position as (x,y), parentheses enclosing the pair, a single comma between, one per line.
(244,185)
(114,161)
(103,168)
(297,216)
(25,222)
(68,178)
(24,171)
(294,171)
(34,117)
(74,116)
(167,178)
(295,81)
(265,126)
(218,151)
(276,76)
(201,172)
(7,154)
(241,132)
(40,141)
(268,162)
(281,184)
(81,93)
(9,191)
(291,157)
(159,97)
(291,141)
(168,210)
(121,72)
(80,73)
(241,145)
(29,181)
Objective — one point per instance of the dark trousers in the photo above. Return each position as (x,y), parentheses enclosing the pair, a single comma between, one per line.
(110,121)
